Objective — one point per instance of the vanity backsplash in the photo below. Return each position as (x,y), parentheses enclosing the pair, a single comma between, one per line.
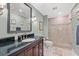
(7,41)
(10,40)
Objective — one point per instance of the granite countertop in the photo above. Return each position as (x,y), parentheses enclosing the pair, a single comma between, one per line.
(16,48)
(11,48)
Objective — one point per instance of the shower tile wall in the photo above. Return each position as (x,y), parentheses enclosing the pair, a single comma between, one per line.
(60,33)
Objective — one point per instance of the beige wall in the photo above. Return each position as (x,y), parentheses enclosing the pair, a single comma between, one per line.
(60,31)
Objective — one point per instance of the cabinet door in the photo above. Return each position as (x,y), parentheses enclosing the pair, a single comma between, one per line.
(40,49)
(28,52)
(35,50)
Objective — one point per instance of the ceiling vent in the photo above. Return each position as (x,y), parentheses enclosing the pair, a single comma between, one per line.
(54,8)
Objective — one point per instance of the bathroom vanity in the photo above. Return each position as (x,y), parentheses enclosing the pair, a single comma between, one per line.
(35,48)
(26,47)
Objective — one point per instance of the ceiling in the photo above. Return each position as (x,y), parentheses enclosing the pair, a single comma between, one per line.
(54,9)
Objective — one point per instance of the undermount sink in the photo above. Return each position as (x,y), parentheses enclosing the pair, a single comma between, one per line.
(28,40)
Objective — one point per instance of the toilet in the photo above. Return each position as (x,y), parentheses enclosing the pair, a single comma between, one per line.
(47,43)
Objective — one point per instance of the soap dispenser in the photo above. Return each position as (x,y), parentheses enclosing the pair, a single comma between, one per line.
(16,40)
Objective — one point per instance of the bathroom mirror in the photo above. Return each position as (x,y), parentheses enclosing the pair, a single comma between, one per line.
(19,17)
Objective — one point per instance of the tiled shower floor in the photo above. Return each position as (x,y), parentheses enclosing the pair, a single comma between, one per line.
(57,51)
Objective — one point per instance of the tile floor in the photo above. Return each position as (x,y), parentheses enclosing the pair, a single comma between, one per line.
(57,51)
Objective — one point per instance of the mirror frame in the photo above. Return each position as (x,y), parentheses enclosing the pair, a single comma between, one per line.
(8,19)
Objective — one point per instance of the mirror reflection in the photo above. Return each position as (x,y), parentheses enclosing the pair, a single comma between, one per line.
(20,17)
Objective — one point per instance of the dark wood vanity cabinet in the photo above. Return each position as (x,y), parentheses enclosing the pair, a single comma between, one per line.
(40,49)
(28,52)
(34,49)
(20,54)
